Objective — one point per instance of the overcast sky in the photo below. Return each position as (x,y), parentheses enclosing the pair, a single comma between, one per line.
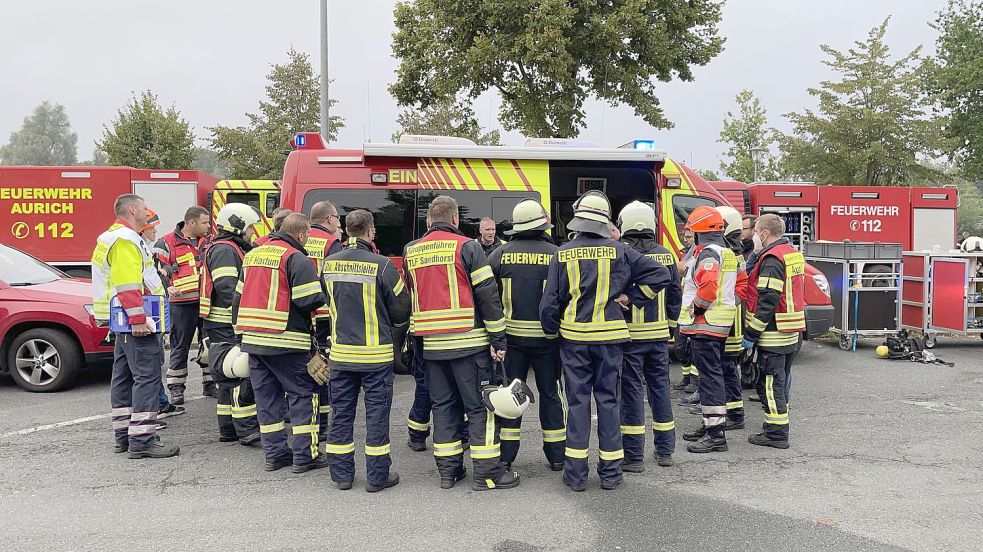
(210,58)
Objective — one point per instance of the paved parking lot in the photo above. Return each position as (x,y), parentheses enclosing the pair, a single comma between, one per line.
(885,456)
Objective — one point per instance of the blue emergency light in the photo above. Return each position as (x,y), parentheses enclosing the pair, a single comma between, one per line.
(300,140)
(645,145)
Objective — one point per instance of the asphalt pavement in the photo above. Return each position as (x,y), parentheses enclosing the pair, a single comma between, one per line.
(885,456)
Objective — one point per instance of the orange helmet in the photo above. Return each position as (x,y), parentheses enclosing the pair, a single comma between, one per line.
(705,219)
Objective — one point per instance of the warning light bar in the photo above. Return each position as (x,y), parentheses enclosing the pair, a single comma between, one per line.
(646,145)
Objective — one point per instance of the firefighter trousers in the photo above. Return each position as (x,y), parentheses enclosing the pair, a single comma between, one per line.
(184,323)
(274,376)
(455,392)
(733,393)
(418,420)
(708,357)
(552,410)
(323,335)
(592,369)
(377,386)
(134,389)
(236,404)
(776,369)
(646,368)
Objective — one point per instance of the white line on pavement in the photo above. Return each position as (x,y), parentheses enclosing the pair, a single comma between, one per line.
(76,421)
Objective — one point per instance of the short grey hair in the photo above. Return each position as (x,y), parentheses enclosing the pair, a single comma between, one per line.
(124,202)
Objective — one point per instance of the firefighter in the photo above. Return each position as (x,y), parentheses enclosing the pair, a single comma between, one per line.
(181,257)
(367,299)
(591,279)
(279,214)
(486,236)
(236,405)
(520,267)
(276,296)
(120,265)
(457,311)
(321,243)
(706,317)
(733,392)
(646,358)
(691,376)
(776,290)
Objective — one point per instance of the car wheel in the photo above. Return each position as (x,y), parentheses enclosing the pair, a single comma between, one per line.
(44,360)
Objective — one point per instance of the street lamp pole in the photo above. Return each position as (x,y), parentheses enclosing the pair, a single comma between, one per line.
(324,70)
(756,154)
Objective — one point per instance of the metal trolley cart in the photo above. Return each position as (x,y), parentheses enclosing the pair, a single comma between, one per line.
(942,293)
(864,287)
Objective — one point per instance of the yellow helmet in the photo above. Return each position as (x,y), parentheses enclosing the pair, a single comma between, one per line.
(237,218)
(637,216)
(529,214)
(733,222)
(591,213)
(883,351)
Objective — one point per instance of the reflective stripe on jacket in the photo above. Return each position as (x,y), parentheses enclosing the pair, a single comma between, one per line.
(119,264)
(366,299)
(276,295)
(184,260)
(223,260)
(717,266)
(776,296)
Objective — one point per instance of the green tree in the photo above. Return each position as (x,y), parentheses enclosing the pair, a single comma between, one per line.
(208,161)
(259,149)
(708,174)
(744,133)
(45,138)
(955,79)
(144,135)
(99,158)
(871,126)
(448,117)
(546,58)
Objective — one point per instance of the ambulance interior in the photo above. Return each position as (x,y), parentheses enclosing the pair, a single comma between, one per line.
(622,182)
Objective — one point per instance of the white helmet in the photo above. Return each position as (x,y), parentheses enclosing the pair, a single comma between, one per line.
(529,214)
(237,218)
(637,216)
(235,364)
(733,222)
(972,244)
(591,213)
(203,352)
(508,401)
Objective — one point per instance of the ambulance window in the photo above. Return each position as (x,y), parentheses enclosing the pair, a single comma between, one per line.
(272,202)
(683,205)
(247,198)
(473,206)
(392,210)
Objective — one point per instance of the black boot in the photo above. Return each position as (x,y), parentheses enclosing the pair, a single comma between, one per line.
(449,482)
(681,385)
(209,390)
(695,435)
(277,463)
(507,480)
(664,460)
(320,462)
(633,466)
(417,446)
(708,444)
(155,450)
(733,424)
(763,440)
(694,385)
(177,395)
(391,482)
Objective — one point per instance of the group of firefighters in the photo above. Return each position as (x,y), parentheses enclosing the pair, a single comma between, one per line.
(319,320)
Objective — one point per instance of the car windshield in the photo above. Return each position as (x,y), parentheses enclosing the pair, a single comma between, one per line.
(21,269)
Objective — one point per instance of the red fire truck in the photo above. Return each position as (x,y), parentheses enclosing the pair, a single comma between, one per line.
(56,213)
(396,182)
(918,218)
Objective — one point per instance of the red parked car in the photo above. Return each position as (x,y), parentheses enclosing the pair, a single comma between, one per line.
(47,332)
